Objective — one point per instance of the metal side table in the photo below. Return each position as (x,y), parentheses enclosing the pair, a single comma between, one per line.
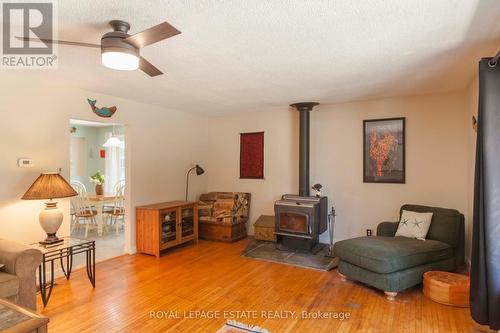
(64,252)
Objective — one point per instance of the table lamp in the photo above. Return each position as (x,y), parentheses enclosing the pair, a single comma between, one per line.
(50,185)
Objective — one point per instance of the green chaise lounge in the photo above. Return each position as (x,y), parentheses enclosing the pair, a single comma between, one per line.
(393,264)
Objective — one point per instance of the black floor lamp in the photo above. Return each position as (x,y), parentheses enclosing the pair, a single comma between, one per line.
(199,171)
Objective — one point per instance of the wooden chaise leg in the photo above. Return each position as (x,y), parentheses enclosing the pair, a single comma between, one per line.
(343,278)
(391,295)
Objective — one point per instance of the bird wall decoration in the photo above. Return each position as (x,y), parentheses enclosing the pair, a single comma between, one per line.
(105,112)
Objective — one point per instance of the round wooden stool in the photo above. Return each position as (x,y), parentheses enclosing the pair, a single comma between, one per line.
(447,288)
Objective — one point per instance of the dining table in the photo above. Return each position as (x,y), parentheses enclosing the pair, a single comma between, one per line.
(99,201)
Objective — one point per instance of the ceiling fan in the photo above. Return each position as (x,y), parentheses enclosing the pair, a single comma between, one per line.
(121,51)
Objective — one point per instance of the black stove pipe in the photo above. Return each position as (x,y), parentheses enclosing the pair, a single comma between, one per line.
(304,145)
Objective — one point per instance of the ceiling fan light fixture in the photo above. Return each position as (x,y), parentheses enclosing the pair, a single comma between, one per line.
(119,50)
(120,60)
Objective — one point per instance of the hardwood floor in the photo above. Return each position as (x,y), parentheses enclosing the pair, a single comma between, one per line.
(212,278)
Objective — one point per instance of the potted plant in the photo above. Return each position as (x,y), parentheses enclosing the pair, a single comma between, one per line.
(98,180)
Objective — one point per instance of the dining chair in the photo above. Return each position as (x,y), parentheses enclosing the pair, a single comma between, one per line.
(81,187)
(119,184)
(116,214)
(79,184)
(82,209)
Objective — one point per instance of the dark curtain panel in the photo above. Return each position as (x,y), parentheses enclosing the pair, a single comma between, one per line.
(485,261)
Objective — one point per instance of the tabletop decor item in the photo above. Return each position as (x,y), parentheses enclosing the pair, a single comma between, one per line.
(104,112)
(98,179)
(317,189)
(50,185)
(384,150)
(252,155)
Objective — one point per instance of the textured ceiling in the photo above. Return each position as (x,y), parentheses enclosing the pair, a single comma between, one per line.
(245,55)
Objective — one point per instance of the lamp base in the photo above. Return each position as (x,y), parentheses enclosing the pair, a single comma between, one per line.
(51,240)
(51,219)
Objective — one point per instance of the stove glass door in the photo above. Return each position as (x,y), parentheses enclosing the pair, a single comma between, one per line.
(294,222)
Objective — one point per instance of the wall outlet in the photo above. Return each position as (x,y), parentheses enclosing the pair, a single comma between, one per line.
(369,232)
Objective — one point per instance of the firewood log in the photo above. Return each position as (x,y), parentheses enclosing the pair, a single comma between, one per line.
(204,208)
(226,195)
(226,207)
(212,196)
(223,208)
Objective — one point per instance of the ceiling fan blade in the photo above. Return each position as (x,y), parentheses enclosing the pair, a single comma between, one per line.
(152,35)
(60,42)
(148,67)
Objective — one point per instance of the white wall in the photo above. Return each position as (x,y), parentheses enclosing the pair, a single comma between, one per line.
(437,134)
(281,156)
(472,104)
(161,145)
(437,157)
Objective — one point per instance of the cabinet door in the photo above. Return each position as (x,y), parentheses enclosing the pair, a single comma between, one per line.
(188,223)
(169,232)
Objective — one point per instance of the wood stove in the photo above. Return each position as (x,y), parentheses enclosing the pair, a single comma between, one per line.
(300,219)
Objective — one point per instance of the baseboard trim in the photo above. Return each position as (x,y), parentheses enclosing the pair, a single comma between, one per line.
(132,250)
(467,265)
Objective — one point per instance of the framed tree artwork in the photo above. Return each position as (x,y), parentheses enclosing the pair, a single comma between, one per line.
(384,150)
(252,155)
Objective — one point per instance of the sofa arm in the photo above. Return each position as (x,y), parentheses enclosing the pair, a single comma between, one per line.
(387,229)
(22,261)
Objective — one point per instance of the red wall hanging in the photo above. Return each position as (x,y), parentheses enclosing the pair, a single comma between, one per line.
(252,155)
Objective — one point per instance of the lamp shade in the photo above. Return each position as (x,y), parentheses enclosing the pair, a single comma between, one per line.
(49,185)
(120,60)
(113,141)
(199,170)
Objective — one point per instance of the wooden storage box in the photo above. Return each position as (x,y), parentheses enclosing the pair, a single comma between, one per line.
(264,228)
(222,231)
(223,215)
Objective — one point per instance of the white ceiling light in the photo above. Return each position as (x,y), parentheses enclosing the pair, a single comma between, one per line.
(113,141)
(120,60)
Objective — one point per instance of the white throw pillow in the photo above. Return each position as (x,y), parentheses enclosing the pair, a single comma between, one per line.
(414,225)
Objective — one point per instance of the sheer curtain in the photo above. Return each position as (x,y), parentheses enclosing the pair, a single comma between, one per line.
(114,164)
